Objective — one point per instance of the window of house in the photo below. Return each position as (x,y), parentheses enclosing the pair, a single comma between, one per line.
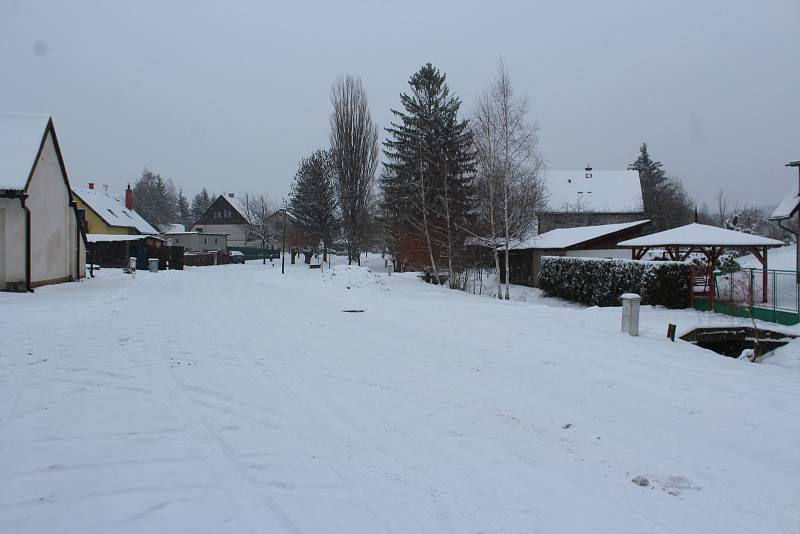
(205,241)
(199,229)
(215,240)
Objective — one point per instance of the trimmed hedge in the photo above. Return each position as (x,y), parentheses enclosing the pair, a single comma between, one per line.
(600,282)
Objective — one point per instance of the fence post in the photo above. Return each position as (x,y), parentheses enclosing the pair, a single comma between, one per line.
(774,297)
(752,284)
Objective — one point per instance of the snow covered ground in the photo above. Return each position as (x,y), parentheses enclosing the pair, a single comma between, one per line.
(233,399)
(783,258)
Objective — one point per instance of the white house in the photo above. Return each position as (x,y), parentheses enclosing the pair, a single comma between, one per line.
(226,215)
(42,240)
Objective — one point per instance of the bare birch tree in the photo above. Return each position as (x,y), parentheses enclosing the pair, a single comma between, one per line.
(257,209)
(355,152)
(511,164)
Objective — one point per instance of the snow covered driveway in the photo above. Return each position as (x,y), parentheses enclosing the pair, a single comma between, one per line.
(233,399)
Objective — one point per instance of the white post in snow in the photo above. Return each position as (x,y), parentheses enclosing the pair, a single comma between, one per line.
(630,313)
(132,265)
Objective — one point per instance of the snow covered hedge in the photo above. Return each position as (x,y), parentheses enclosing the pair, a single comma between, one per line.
(600,282)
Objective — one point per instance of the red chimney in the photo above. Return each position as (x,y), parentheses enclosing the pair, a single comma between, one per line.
(91,185)
(129,197)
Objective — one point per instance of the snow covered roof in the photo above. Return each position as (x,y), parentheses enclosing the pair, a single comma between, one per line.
(21,136)
(596,191)
(788,205)
(113,211)
(568,237)
(171,228)
(104,238)
(193,233)
(696,234)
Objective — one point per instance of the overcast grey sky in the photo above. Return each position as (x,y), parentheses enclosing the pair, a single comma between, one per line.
(230,95)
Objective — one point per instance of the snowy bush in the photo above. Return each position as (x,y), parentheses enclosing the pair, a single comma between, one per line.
(600,282)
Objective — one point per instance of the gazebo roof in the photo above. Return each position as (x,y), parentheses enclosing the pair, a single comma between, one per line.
(701,235)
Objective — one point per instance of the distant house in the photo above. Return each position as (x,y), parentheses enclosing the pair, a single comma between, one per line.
(590,197)
(295,236)
(197,241)
(226,216)
(599,241)
(107,214)
(42,240)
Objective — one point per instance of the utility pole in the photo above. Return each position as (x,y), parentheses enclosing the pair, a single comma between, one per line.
(283,246)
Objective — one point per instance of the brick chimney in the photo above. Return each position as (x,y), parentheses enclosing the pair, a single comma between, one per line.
(129,198)
(91,185)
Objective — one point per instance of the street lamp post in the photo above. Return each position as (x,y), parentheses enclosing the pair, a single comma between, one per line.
(283,246)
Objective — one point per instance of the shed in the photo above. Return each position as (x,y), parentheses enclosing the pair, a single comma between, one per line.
(598,241)
(42,239)
(115,250)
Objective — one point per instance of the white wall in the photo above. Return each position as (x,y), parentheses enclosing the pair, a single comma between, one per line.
(623,253)
(197,242)
(12,242)
(53,222)
(237,233)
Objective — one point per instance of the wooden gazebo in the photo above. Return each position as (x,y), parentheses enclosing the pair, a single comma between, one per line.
(710,241)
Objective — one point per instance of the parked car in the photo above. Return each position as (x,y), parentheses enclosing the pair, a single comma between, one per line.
(236,256)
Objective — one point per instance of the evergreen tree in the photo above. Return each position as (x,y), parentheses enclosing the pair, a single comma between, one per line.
(428,178)
(313,201)
(665,200)
(200,203)
(651,174)
(182,208)
(155,199)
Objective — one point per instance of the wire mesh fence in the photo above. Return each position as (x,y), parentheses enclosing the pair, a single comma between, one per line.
(771,295)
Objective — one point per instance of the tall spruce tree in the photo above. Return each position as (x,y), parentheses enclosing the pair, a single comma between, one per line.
(154,198)
(183,210)
(665,200)
(200,203)
(313,201)
(428,177)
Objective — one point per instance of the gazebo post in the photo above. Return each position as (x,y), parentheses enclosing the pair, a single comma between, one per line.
(710,274)
(764,279)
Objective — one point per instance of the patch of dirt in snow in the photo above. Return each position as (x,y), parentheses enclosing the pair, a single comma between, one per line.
(353,277)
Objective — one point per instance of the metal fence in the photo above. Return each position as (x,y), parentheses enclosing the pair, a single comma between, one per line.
(770,295)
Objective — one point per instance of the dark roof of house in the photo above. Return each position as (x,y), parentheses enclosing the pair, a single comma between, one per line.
(219,206)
